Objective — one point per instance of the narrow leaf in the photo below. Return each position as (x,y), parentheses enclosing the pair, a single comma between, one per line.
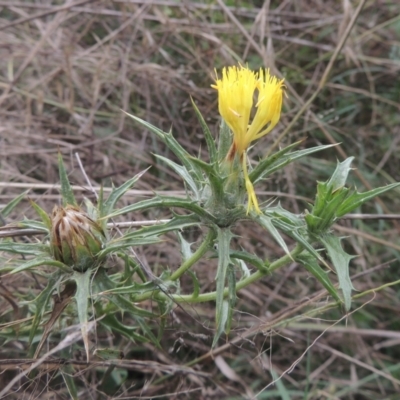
(311,265)
(118,192)
(212,149)
(340,260)
(224,140)
(110,321)
(186,250)
(222,307)
(12,204)
(42,214)
(249,258)
(67,374)
(356,199)
(167,202)
(171,142)
(36,262)
(66,190)
(40,305)
(280,159)
(82,300)
(266,223)
(339,176)
(183,173)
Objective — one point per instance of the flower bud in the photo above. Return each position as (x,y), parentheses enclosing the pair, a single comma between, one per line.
(75,238)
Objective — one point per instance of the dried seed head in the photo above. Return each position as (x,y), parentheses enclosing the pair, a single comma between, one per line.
(75,238)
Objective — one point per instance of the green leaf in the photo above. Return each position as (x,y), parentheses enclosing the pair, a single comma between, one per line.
(294,227)
(222,306)
(41,302)
(12,204)
(37,262)
(280,159)
(123,242)
(249,258)
(108,206)
(167,202)
(27,249)
(32,224)
(340,260)
(111,322)
(82,301)
(42,214)
(245,272)
(223,315)
(311,265)
(214,179)
(325,209)
(356,199)
(67,374)
(231,296)
(178,222)
(126,305)
(212,149)
(339,176)
(266,223)
(66,190)
(224,140)
(176,148)
(184,174)
(186,250)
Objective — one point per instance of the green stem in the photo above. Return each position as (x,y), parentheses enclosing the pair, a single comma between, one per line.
(241,284)
(195,257)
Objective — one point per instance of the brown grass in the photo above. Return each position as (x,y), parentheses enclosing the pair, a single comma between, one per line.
(66,72)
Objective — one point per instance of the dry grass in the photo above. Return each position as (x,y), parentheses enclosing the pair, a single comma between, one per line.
(67,70)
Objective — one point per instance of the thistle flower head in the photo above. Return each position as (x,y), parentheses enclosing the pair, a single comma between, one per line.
(75,238)
(236,91)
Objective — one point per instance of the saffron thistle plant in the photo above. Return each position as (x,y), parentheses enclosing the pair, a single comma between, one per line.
(78,251)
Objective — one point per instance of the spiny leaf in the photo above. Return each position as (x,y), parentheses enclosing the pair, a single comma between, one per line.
(82,300)
(42,214)
(173,144)
(110,321)
(356,199)
(266,222)
(249,258)
(37,262)
(339,176)
(12,204)
(66,189)
(117,193)
(280,159)
(41,303)
(27,249)
(216,182)
(184,174)
(178,222)
(311,265)
(224,140)
(164,201)
(212,149)
(222,306)
(340,260)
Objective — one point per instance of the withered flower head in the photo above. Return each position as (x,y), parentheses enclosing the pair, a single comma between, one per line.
(75,238)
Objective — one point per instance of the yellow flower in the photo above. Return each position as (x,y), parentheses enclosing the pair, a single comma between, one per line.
(236,90)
